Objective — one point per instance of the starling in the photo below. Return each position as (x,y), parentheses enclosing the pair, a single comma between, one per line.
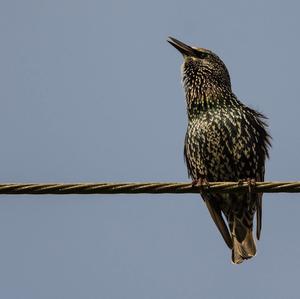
(225,141)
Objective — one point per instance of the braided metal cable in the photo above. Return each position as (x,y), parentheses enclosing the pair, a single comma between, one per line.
(151,188)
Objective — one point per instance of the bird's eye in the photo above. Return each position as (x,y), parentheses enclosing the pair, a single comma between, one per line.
(201,55)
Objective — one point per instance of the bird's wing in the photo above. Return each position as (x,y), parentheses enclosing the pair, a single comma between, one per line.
(259,206)
(258,215)
(217,217)
(258,122)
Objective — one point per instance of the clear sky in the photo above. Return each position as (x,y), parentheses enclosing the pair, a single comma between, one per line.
(90,91)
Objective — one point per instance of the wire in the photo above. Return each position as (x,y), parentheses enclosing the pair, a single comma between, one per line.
(151,188)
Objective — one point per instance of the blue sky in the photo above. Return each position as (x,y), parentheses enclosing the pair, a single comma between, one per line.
(90,91)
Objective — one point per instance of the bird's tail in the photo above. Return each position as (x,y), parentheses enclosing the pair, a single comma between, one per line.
(243,243)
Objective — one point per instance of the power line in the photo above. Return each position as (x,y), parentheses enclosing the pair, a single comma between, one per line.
(150,188)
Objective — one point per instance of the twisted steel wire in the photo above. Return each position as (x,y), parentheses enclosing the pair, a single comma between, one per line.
(150,188)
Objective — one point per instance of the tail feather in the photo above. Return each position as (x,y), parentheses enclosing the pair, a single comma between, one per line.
(238,233)
(243,245)
(216,215)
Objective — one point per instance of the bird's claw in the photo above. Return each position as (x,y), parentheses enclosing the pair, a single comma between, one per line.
(202,183)
(251,183)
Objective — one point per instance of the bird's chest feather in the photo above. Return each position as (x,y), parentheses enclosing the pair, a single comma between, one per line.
(216,145)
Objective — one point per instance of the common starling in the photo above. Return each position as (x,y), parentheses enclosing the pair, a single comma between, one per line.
(225,141)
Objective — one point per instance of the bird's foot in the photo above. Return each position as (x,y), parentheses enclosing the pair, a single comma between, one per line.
(202,183)
(251,183)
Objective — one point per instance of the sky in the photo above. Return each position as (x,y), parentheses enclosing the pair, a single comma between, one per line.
(90,92)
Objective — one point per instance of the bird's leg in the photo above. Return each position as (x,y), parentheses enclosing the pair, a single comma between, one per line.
(251,183)
(201,182)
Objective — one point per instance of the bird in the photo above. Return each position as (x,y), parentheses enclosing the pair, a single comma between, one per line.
(225,141)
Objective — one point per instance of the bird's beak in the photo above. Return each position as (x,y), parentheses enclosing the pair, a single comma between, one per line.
(181,47)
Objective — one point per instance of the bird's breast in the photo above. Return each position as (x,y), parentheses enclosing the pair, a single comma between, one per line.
(215,144)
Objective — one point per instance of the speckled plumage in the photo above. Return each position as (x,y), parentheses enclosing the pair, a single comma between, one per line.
(225,141)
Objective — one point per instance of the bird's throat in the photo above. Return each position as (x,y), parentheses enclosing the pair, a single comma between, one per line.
(202,100)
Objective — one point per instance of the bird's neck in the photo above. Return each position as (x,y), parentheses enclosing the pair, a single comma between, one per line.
(203,98)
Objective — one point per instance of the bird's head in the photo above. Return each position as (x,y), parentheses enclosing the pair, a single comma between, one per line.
(201,69)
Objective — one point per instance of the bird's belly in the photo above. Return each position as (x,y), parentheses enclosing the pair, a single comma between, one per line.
(215,154)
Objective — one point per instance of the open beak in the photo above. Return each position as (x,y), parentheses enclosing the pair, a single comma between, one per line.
(181,47)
